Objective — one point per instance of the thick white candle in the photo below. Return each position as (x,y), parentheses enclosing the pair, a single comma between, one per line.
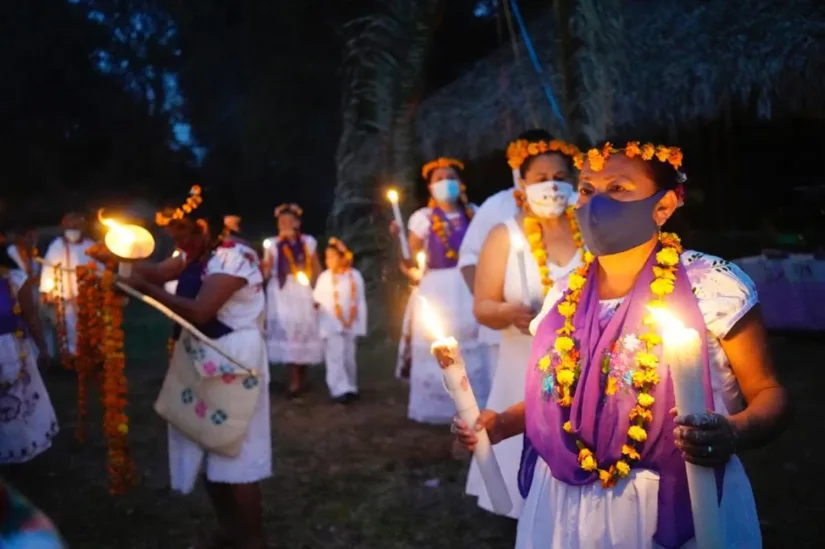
(518,245)
(458,385)
(682,352)
(392,196)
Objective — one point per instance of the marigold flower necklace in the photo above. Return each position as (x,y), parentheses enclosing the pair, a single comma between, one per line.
(19,335)
(566,370)
(290,259)
(535,239)
(353,301)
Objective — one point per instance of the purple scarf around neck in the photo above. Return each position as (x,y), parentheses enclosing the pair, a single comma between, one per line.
(9,322)
(601,422)
(455,230)
(298,256)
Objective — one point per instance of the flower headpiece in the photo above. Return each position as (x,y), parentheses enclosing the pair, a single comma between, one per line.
(293,209)
(441,162)
(341,248)
(163,218)
(521,149)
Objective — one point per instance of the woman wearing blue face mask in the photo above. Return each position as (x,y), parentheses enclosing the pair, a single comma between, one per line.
(604,457)
(544,243)
(437,230)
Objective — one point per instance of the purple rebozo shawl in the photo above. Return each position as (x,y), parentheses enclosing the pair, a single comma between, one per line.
(436,251)
(601,422)
(298,256)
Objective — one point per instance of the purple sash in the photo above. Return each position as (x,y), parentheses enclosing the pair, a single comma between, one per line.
(455,230)
(189,284)
(9,322)
(297,249)
(601,422)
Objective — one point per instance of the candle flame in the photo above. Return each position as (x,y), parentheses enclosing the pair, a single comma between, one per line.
(127,241)
(421,260)
(432,320)
(302,278)
(392,196)
(176,253)
(665,319)
(267,244)
(48,285)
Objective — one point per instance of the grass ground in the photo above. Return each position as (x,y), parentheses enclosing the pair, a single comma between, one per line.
(362,477)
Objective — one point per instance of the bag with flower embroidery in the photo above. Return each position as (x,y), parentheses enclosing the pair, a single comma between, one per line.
(207,397)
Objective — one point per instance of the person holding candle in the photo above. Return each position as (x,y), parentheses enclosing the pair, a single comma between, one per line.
(292,265)
(438,230)
(541,244)
(342,304)
(604,458)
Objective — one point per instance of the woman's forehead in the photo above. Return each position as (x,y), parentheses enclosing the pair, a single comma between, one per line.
(442,172)
(615,168)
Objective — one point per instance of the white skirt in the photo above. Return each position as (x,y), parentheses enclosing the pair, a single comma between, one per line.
(560,516)
(292,331)
(405,344)
(449,298)
(507,390)
(27,419)
(254,462)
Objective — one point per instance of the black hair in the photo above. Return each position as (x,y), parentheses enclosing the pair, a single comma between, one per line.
(663,175)
(533,136)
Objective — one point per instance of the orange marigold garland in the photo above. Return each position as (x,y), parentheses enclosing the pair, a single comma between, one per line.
(290,259)
(190,204)
(114,386)
(596,158)
(89,338)
(441,162)
(535,239)
(521,149)
(347,323)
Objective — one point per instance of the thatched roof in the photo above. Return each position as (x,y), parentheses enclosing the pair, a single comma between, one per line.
(683,60)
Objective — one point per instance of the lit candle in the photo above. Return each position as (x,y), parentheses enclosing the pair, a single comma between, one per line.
(518,246)
(392,196)
(421,260)
(682,353)
(267,244)
(127,242)
(302,278)
(446,351)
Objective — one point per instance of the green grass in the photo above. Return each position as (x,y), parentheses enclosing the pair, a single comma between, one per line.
(358,477)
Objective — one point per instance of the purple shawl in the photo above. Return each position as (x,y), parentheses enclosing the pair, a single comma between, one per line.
(9,322)
(298,255)
(601,422)
(455,230)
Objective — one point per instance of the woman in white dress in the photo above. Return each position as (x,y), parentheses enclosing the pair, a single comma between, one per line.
(292,265)
(220,290)
(604,460)
(438,230)
(544,240)
(27,419)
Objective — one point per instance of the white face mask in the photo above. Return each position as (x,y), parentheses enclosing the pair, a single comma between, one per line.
(548,199)
(446,190)
(72,235)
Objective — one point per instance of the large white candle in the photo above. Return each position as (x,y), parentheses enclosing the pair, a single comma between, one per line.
(392,196)
(682,353)
(518,246)
(454,372)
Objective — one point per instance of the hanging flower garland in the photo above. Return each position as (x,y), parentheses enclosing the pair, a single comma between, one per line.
(535,239)
(114,388)
(88,339)
(347,323)
(19,335)
(290,259)
(565,370)
(60,318)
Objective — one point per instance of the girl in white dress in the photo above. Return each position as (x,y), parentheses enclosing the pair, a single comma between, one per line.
(342,303)
(292,265)
(544,191)
(27,419)
(604,458)
(438,230)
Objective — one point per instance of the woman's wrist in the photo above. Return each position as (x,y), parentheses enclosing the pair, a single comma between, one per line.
(512,422)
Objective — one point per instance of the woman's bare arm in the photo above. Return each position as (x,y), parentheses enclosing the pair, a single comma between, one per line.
(316,268)
(488,302)
(160,273)
(216,290)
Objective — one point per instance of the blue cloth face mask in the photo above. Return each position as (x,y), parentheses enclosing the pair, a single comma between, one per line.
(611,226)
(446,190)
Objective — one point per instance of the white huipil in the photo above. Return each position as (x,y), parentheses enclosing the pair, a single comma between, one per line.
(511,371)
(340,341)
(292,335)
(27,419)
(68,256)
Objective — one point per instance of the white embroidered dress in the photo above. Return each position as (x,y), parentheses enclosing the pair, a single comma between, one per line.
(340,342)
(244,313)
(559,516)
(27,419)
(511,371)
(446,292)
(292,335)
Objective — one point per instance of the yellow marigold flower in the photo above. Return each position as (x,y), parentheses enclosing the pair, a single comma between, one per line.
(641,413)
(565,377)
(607,478)
(588,257)
(648,150)
(651,339)
(578,162)
(612,386)
(647,360)
(563,344)
(664,272)
(576,281)
(661,287)
(540,255)
(632,149)
(662,153)
(533,149)
(675,158)
(533,240)
(595,159)
(630,452)
(652,376)
(667,257)
(566,309)
(645,400)
(544,272)
(566,401)
(544,363)
(637,433)
(639,379)
(588,463)
(622,468)
(568,427)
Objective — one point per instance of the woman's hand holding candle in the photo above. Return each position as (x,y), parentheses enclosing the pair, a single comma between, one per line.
(519,316)
(705,439)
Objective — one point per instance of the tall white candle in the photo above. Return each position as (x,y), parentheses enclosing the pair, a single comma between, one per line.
(454,372)
(682,353)
(392,196)
(518,246)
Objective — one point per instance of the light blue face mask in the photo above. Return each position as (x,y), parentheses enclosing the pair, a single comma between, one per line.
(446,190)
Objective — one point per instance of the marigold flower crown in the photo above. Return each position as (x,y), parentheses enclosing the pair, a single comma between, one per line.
(596,158)
(294,209)
(441,162)
(340,247)
(521,149)
(162,218)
